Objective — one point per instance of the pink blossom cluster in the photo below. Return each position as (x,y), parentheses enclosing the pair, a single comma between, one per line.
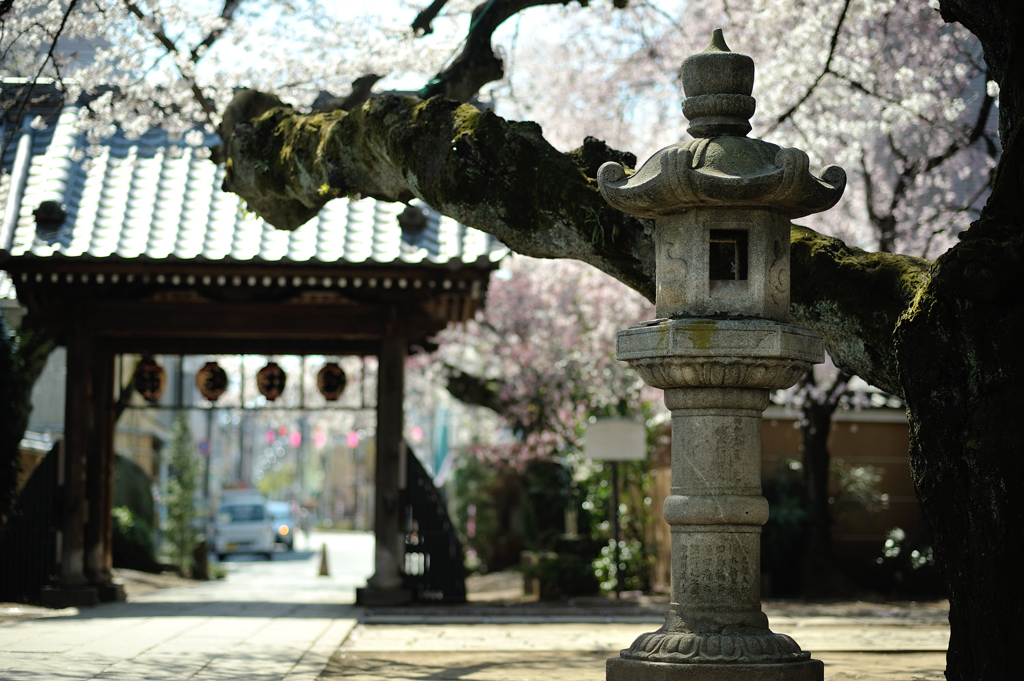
(547,338)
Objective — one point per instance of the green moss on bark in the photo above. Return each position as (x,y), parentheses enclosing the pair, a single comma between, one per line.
(855,299)
(472,165)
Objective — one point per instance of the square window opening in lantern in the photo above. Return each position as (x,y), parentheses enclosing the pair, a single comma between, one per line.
(728,255)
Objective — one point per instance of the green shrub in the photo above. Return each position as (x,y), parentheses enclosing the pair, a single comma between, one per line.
(783,536)
(562,574)
(907,569)
(133,488)
(132,541)
(636,556)
(633,569)
(182,527)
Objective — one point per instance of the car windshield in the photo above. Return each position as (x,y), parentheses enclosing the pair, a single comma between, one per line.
(245,513)
(280,511)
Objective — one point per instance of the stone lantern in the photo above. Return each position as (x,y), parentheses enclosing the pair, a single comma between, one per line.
(721,205)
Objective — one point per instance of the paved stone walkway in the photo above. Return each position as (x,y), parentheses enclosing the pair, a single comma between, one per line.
(177,640)
(277,621)
(589,666)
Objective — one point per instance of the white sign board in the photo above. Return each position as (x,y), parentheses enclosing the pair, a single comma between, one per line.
(616,440)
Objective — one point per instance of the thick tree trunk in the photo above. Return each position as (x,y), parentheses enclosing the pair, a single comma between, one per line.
(820,574)
(960,348)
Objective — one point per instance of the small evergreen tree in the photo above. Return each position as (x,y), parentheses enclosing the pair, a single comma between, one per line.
(182,526)
(23,354)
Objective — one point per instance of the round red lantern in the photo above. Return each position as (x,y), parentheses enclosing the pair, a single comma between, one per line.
(270,380)
(149,379)
(212,381)
(331,381)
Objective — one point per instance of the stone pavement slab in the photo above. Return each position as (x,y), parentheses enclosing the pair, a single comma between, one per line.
(131,644)
(269,621)
(276,622)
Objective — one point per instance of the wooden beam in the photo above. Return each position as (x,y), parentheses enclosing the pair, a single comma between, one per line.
(252,321)
(31,266)
(244,346)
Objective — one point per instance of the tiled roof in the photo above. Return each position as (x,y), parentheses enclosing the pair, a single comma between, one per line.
(154,198)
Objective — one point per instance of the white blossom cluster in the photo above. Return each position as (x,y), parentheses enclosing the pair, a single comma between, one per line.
(141,64)
(883,88)
(896,107)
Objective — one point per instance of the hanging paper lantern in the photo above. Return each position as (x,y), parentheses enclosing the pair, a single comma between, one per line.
(149,379)
(331,381)
(270,380)
(212,381)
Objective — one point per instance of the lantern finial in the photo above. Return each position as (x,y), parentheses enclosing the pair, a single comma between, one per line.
(718,83)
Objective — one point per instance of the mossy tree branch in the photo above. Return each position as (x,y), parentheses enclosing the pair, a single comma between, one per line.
(500,176)
(856,299)
(477,64)
(503,178)
(475,390)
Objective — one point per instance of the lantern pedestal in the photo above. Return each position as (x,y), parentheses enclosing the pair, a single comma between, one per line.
(717,375)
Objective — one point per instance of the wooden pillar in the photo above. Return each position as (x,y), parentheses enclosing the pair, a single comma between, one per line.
(99,478)
(385,586)
(72,587)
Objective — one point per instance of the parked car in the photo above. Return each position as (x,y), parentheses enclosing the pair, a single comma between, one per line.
(243,525)
(284,523)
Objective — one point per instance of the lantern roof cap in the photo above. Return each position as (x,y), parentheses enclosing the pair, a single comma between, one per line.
(721,166)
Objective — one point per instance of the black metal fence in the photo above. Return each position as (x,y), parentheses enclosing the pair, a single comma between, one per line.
(434,569)
(28,542)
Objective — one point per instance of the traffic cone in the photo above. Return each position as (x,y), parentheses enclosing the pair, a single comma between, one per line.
(324,572)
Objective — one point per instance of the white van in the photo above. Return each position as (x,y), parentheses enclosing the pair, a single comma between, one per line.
(243,526)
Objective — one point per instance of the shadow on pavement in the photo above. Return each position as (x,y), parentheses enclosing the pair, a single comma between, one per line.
(215,609)
(278,557)
(490,666)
